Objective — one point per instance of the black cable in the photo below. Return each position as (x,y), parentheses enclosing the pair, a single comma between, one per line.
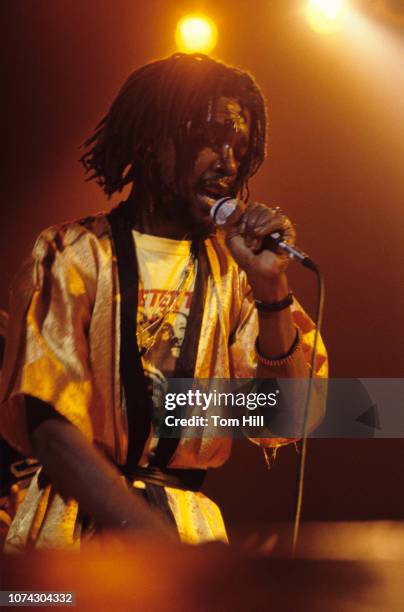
(302,457)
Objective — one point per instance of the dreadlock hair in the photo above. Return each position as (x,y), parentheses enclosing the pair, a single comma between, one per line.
(160,101)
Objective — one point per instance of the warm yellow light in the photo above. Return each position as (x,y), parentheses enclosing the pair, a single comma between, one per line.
(325,15)
(196,34)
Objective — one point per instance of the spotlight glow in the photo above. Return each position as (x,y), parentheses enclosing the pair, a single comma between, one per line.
(196,33)
(325,15)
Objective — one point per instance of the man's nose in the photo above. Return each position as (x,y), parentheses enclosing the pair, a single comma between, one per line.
(228,160)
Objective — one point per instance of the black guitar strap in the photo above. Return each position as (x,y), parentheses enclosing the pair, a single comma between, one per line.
(138,400)
(185,365)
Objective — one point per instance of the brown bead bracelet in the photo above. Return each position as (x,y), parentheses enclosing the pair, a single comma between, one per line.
(282,360)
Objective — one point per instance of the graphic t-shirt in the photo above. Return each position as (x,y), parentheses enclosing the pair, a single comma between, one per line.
(167,275)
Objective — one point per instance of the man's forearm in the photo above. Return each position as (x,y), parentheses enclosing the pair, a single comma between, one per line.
(78,470)
(277,333)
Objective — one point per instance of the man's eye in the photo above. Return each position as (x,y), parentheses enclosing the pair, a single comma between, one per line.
(202,139)
(216,144)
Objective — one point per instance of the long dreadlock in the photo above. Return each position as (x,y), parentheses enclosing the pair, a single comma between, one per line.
(160,101)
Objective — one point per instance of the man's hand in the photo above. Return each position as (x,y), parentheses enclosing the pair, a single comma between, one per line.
(245,230)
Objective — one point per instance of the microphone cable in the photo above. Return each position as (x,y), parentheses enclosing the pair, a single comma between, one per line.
(303,454)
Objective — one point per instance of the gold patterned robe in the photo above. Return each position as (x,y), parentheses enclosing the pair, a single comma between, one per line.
(63,347)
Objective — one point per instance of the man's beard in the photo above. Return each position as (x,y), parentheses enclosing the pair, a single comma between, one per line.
(177,206)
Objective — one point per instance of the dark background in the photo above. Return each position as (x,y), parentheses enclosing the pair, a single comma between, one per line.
(336,110)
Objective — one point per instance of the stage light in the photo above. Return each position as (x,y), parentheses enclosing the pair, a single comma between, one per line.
(325,15)
(196,33)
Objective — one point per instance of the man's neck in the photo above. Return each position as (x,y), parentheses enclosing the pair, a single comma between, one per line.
(155,224)
(164,228)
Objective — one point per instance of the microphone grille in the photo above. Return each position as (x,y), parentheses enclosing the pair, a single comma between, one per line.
(222,209)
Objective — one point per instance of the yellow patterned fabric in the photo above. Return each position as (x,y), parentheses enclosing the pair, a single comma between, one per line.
(63,346)
(198,518)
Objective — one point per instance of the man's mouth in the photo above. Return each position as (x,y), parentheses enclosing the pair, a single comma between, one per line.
(215,190)
(206,202)
(209,192)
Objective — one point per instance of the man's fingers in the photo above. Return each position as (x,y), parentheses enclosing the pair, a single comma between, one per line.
(256,216)
(260,220)
(245,239)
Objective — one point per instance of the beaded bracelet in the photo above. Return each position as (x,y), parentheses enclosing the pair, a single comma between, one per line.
(274,306)
(282,359)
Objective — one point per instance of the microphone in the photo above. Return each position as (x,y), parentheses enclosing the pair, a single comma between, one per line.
(223,208)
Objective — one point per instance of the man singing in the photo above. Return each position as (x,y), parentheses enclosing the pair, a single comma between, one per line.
(110,307)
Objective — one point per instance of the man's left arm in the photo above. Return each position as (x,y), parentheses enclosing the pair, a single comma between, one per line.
(280,349)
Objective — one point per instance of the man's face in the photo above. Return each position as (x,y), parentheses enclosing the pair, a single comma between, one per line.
(218,146)
(179,327)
